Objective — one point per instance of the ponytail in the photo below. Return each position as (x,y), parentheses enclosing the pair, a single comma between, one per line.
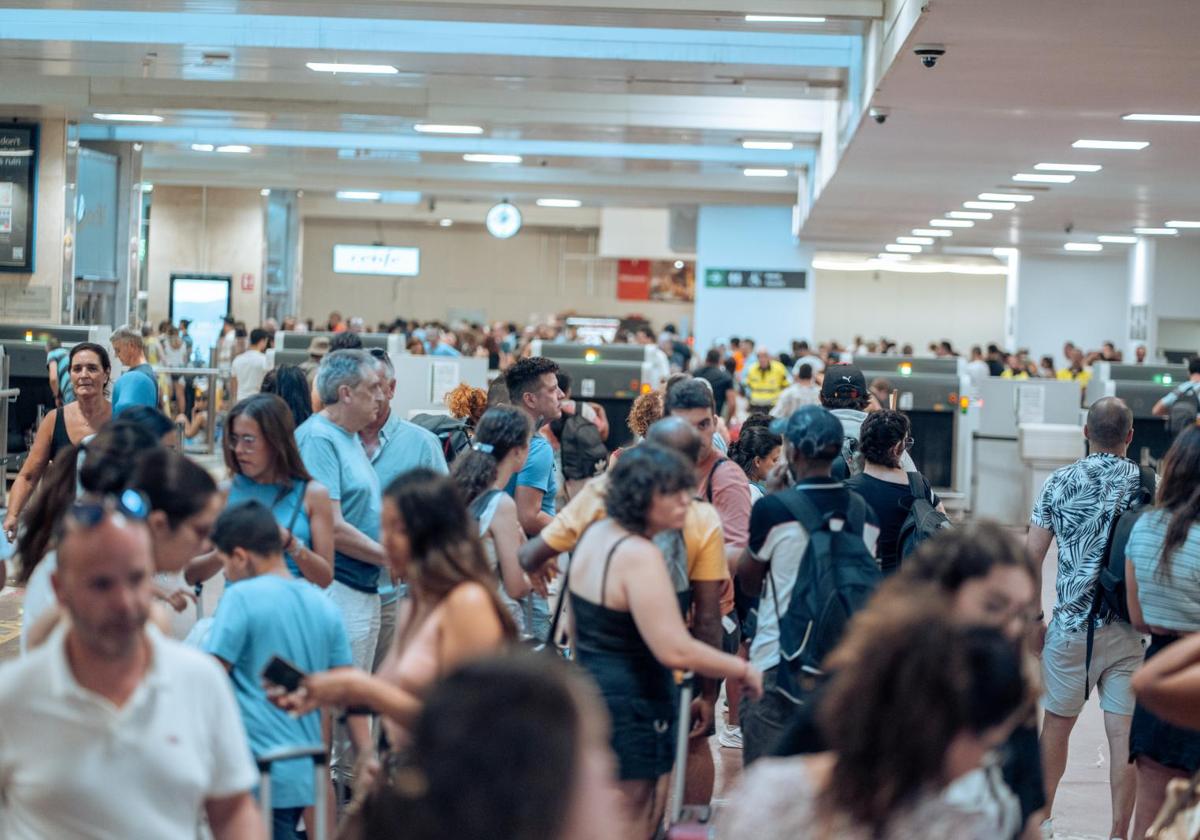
(500,430)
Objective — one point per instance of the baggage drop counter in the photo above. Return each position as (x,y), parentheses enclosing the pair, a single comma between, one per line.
(291,348)
(612,375)
(1140,386)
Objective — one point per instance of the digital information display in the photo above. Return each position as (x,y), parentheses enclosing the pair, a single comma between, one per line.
(18,197)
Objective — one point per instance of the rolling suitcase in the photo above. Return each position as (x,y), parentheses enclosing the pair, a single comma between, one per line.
(685,822)
(320,780)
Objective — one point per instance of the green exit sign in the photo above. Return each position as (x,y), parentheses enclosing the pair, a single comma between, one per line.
(754,278)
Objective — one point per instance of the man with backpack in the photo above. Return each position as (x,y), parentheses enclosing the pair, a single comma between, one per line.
(578,435)
(844,392)
(811,546)
(1088,644)
(1181,407)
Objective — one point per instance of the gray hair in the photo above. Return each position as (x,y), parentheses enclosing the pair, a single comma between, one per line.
(342,367)
(127,335)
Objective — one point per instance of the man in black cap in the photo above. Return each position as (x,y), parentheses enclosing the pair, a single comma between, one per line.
(812,439)
(844,392)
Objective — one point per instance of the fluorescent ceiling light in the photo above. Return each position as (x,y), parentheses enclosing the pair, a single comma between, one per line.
(202,147)
(264,192)
(1083,246)
(1118,240)
(235,149)
(1184,118)
(366,69)
(765,173)
(1156,231)
(902,249)
(989,205)
(142,118)
(769,145)
(874,264)
(1182,224)
(1005,197)
(1032,178)
(1132,145)
(432,128)
(951,223)
(931,232)
(559,202)
(894,257)
(492,158)
(915,240)
(358,195)
(446,223)
(782,19)
(968,214)
(1067,167)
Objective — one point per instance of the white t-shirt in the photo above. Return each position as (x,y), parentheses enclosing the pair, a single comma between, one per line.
(72,765)
(249,368)
(173,356)
(40,597)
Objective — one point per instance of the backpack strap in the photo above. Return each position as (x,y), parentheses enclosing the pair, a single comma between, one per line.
(480,503)
(708,490)
(1148,483)
(856,515)
(802,509)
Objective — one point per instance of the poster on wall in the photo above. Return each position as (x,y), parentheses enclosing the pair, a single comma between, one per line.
(663,280)
(18,196)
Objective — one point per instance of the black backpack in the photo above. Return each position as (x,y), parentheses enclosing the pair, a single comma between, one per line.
(451,432)
(1185,410)
(923,520)
(837,576)
(583,452)
(1110,592)
(849,463)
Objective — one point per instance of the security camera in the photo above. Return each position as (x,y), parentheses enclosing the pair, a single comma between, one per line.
(929,53)
(880,114)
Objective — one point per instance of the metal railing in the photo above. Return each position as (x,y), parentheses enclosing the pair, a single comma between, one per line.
(214,377)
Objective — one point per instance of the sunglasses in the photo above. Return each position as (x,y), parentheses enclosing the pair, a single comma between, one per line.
(129,503)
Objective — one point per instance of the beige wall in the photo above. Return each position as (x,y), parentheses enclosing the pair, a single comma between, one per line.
(909,308)
(463,268)
(206,231)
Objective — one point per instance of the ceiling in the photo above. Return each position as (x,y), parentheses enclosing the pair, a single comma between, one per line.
(1021,81)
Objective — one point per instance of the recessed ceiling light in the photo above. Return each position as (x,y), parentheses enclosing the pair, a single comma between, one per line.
(432,128)
(969,214)
(1132,145)
(1176,223)
(951,223)
(769,145)
(915,240)
(1118,240)
(1067,167)
(989,205)
(765,173)
(902,249)
(1156,231)
(202,147)
(235,149)
(931,232)
(559,202)
(1083,246)
(1033,178)
(446,223)
(476,158)
(142,118)
(782,19)
(1184,118)
(366,69)
(358,195)
(1021,197)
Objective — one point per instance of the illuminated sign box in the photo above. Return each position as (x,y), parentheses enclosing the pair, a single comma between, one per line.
(376,259)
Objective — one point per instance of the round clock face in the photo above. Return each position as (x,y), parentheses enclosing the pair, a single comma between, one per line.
(503,221)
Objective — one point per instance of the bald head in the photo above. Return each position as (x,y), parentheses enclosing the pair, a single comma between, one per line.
(678,434)
(1109,425)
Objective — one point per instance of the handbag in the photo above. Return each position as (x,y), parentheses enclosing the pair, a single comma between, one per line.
(1179,817)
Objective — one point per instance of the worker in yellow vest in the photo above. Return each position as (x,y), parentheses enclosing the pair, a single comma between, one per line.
(765,381)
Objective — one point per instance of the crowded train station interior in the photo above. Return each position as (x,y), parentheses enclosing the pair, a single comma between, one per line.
(599,419)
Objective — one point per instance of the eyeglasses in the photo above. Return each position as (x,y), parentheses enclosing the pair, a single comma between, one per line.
(249,441)
(128,503)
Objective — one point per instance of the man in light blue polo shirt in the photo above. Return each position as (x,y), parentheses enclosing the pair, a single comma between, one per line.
(395,446)
(266,612)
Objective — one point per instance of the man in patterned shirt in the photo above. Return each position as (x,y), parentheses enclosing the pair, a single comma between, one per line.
(1076,508)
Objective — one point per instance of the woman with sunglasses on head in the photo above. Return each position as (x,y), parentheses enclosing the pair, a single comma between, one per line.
(90,372)
(883,441)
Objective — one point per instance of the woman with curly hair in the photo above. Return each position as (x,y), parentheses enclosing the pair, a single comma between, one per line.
(628,630)
(467,403)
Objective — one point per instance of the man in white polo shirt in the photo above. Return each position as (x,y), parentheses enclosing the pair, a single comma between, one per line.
(109,729)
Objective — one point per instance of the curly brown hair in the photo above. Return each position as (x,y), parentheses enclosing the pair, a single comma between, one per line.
(645,412)
(467,402)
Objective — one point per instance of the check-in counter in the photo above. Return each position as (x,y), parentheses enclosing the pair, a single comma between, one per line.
(1140,386)
(291,348)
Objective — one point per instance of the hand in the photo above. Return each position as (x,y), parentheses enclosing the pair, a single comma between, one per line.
(366,772)
(779,478)
(752,683)
(10,526)
(1037,637)
(540,578)
(702,717)
(179,599)
(328,688)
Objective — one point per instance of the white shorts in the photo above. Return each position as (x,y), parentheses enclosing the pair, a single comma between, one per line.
(1117,651)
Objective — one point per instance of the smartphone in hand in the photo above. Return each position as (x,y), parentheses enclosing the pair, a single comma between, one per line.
(283,673)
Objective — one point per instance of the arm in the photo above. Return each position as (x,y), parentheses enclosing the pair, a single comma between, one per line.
(507,538)
(234,817)
(529,510)
(52,371)
(1037,543)
(31,472)
(750,574)
(316,563)
(1131,598)
(351,687)
(1169,684)
(535,553)
(353,542)
(706,627)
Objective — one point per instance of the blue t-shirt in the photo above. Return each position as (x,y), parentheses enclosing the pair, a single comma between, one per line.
(135,386)
(538,473)
(291,504)
(62,356)
(337,459)
(270,616)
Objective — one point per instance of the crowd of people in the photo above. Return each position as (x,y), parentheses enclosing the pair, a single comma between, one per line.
(492,629)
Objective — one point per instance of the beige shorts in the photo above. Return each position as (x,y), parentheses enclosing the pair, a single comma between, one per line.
(1117,651)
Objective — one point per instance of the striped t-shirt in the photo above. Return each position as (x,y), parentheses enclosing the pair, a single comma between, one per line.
(1171,602)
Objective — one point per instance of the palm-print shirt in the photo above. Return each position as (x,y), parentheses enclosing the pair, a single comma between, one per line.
(1077,505)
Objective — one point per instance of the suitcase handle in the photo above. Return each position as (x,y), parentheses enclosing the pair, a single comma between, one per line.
(320,772)
(685,680)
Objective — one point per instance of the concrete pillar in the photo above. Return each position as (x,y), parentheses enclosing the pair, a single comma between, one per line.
(1141,322)
(1012,296)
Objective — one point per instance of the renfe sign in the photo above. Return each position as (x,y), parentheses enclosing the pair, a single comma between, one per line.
(376,259)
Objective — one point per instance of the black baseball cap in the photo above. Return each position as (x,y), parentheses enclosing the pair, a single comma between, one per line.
(840,380)
(811,429)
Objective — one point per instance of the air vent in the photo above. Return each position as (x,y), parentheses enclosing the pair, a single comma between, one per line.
(215,56)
